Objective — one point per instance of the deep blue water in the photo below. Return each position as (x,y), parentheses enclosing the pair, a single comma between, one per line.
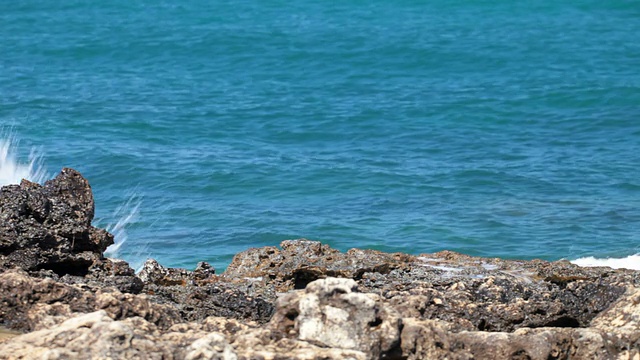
(493,128)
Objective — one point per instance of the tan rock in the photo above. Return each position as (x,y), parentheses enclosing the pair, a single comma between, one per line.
(622,316)
(332,313)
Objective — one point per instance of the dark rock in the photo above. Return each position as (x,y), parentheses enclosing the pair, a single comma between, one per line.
(199,294)
(153,273)
(303,261)
(203,271)
(49,227)
(108,272)
(46,231)
(470,293)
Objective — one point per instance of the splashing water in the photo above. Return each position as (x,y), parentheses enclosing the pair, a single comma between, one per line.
(12,171)
(126,215)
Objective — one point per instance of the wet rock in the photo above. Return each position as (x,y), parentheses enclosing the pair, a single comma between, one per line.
(116,273)
(104,273)
(54,218)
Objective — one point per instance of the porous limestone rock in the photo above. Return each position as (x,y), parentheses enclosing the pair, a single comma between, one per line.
(46,231)
(30,303)
(200,294)
(97,336)
(332,313)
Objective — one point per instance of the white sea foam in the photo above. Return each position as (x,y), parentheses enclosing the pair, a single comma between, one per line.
(630,262)
(12,171)
(489,266)
(444,268)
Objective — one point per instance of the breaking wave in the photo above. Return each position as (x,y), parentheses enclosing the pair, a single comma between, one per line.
(630,262)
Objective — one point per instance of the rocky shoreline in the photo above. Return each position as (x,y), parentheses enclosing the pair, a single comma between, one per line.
(62,299)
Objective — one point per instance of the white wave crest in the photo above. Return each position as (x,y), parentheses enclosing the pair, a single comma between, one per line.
(631,262)
(12,171)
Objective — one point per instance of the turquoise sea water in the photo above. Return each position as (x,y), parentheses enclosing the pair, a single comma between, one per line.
(493,128)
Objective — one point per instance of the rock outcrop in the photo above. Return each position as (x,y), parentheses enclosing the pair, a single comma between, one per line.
(200,293)
(60,298)
(46,231)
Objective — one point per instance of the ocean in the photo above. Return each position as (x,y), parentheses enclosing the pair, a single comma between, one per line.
(492,128)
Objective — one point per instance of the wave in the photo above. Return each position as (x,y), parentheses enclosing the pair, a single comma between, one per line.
(631,262)
(12,171)
(127,215)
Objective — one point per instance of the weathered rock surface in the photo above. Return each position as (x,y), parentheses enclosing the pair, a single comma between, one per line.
(30,303)
(46,231)
(127,339)
(303,300)
(199,294)
(332,313)
(469,293)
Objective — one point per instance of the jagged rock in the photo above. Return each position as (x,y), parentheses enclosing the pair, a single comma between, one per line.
(330,319)
(116,273)
(200,294)
(622,319)
(30,303)
(97,336)
(203,270)
(257,345)
(46,230)
(71,339)
(469,293)
(55,217)
(104,273)
(326,304)
(154,273)
(331,313)
(303,261)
